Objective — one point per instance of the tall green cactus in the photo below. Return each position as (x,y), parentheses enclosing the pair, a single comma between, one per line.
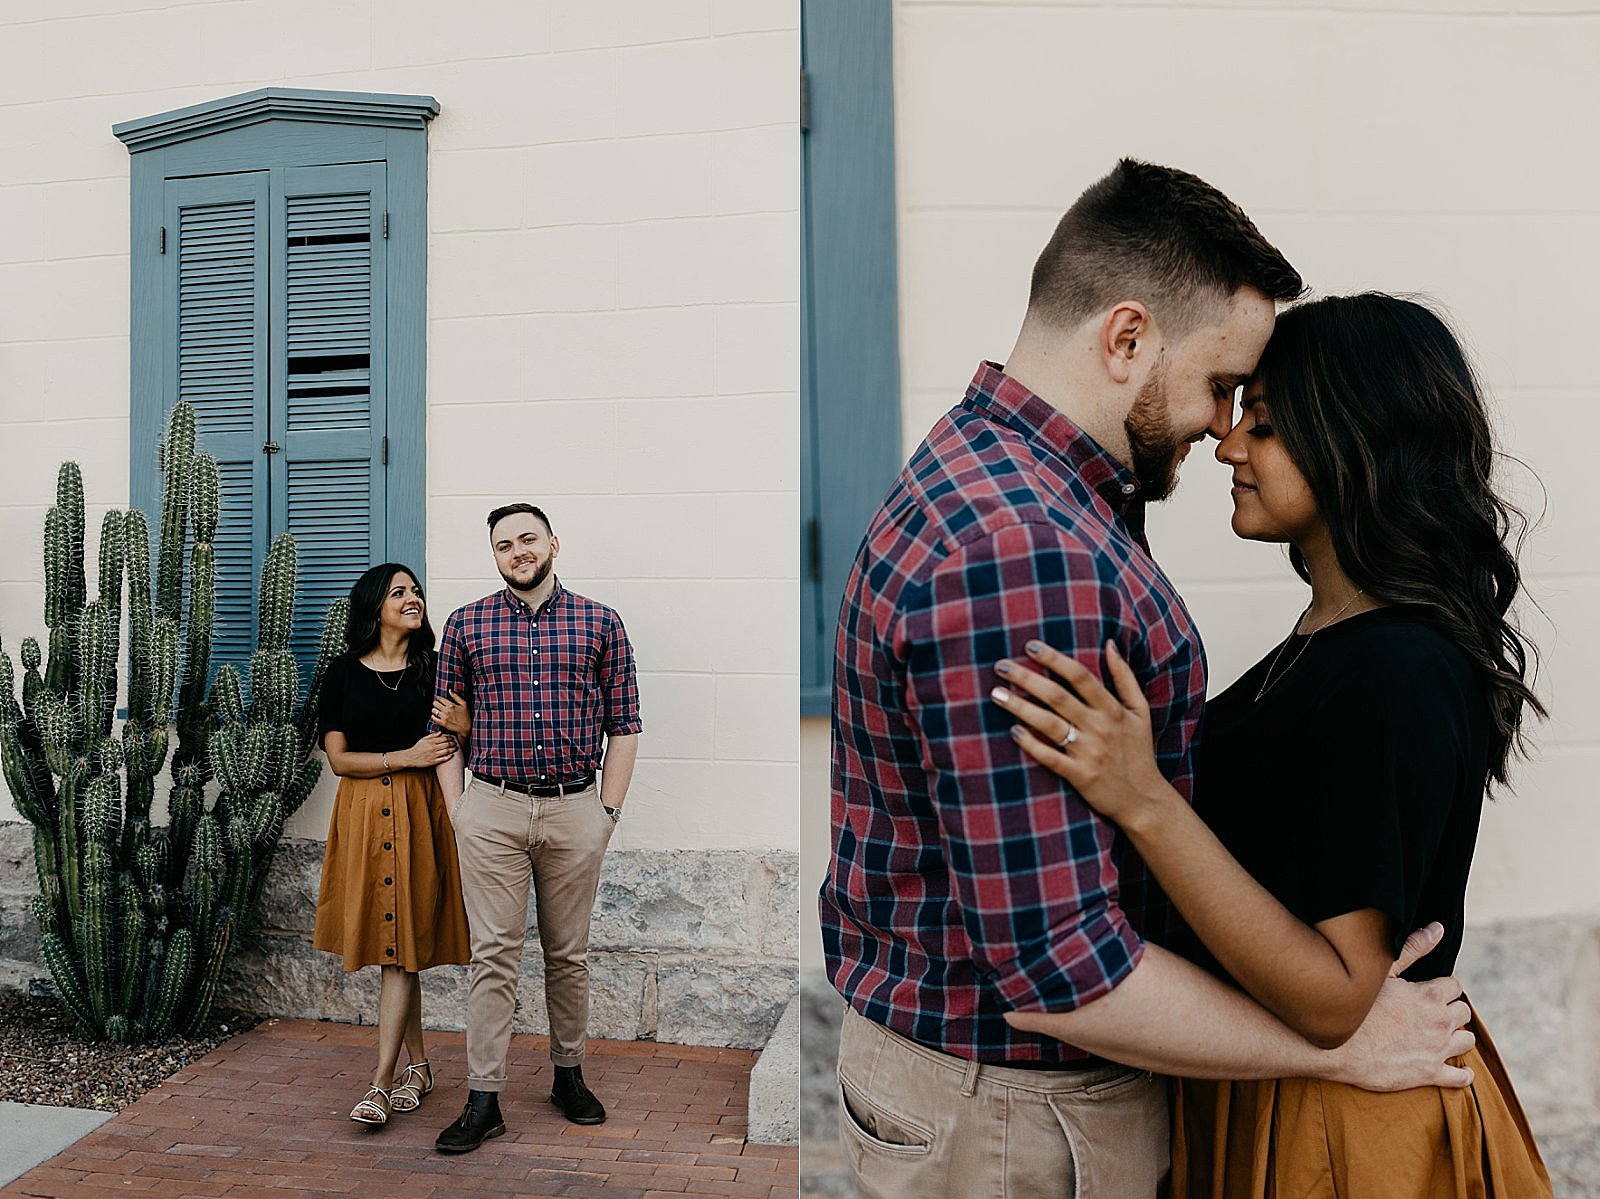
(136,920)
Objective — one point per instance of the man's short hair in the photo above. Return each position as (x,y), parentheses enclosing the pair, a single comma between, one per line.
(1163,237)
(501,513)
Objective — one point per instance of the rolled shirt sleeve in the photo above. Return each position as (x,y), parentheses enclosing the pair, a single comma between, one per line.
(1031,864)
(619,682)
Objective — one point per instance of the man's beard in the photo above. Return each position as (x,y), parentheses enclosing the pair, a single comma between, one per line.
(1151,444)
(540,574)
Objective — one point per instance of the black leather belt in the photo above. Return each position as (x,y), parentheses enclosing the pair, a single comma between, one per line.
(540,790)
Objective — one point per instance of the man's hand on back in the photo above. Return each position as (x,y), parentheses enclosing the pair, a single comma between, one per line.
(1410,1033)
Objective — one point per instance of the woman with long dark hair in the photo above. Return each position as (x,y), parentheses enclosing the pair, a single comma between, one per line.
(1339,782)
(391,886)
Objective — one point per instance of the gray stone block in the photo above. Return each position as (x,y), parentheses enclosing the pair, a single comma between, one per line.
(774,1107)
(1573,1159)
(289,898)
(679,900)
(821,1012)
(701,1001)
(782,938)
(1533,984)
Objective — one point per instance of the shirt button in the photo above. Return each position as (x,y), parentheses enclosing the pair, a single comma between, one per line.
(538,715)
(387,845)
(535,682)
(389,952)
(388,915)
(385,780)
(388,882)
(386,811)
(1128,489)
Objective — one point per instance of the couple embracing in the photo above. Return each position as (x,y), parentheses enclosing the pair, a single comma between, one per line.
(534,687)
(1095,941)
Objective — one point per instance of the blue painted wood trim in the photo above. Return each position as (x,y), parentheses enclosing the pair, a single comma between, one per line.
(275,104)
(147,405)
(850,302)
(408,348)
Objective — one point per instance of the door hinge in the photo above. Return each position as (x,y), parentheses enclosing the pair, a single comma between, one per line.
(386,451)
(270,447)
(386,224)
(814,549)
(163,239)
(805,101)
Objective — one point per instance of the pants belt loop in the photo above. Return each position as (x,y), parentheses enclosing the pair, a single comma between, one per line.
(969,1081)
(501,789)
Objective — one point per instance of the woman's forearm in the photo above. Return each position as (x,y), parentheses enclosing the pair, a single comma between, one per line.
(1290,968)
(348,764)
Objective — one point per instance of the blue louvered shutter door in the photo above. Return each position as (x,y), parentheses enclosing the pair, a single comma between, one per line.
(328,381)
(215,317)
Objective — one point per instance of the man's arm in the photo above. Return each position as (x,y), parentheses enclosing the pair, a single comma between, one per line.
(452,776)
(1172,1017)
(616,771)
(451,677)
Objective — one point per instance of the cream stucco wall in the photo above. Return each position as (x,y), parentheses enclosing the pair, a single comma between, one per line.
(612,321)
(1425,150)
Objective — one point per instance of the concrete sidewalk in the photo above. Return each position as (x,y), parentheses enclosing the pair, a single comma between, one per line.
(266,1115)
(31,1133)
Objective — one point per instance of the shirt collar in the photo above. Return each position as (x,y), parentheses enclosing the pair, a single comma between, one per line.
(1004,399)
(516,604)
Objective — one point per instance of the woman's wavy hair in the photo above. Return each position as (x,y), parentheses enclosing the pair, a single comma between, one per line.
(366,603)
(1378,406)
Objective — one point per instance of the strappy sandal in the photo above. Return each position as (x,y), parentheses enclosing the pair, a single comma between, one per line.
(373,1108)
(407,1097)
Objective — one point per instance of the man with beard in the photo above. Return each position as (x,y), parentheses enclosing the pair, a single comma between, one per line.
(966,883)
(549,682)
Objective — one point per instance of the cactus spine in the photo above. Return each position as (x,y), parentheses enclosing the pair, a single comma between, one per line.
(136,921)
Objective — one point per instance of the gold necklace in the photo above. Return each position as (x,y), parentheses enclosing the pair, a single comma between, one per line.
(378,674)
(1268,681)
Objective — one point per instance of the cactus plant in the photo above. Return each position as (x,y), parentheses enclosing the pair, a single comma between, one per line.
(136,921)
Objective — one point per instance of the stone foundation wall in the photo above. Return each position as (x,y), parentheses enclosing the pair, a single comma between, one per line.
(1535,984)
(694,947)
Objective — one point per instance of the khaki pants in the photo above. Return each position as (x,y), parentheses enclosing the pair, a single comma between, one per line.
(506,840)
(918,1124)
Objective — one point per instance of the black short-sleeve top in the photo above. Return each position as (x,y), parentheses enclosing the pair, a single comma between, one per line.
(378,711)
(1356,781)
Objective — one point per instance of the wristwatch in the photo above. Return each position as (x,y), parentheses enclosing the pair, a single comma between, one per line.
(614,813)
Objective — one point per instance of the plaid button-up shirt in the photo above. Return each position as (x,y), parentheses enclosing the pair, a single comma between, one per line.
(544,688)
(966,880)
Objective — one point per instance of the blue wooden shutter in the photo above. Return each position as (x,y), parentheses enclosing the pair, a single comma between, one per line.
(328,306)
(850,362)
(215,315)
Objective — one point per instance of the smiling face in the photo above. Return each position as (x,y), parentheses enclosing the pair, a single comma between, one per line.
(1189,390)
(524,550)
(403,607)
(1271,499)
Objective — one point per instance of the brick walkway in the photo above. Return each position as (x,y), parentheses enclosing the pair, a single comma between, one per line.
(267,1115)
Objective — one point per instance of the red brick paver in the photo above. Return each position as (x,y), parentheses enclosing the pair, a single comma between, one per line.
(267,1115)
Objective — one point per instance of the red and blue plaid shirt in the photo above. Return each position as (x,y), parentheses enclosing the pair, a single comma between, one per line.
(966,880)
(543,687)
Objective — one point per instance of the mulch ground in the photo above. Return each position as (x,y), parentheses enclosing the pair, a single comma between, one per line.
(266,1115)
